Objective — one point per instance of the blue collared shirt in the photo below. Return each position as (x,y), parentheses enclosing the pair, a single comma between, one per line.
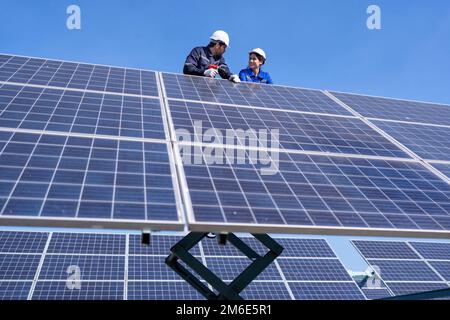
(248,76)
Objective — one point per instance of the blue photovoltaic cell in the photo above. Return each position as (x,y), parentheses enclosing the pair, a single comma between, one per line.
(306,248)
(385,250)
(326,291)
(211,247)
(14,290)
(160,245)
(149,268)
(301,190)
(428,142)
(294,131)
(373,294)
(408,288)
(80,112)
(432,250)
(18,267)
(444,168)
(405,270)
(58,290)
(266,291)
(87,243)
(174,290)
(72,178)
(443,268)
(230,268)
(78,76)
(58,267)
(313,270)
(268,96)
(22,242)
(393,109)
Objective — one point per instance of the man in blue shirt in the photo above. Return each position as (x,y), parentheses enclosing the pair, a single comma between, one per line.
(257,57)
(209,61)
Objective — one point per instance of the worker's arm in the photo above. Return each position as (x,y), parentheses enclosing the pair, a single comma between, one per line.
(192,61)
(242,75)
(224,70)
(269,79)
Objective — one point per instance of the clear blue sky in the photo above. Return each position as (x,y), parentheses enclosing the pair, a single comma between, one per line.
(318,44)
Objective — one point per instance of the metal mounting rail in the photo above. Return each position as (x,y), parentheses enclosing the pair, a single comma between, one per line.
(180,251)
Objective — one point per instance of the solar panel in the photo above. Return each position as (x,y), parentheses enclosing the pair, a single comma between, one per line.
(297,131)
(107,267)
(326,291)
(24,107)
(14,290)
(58,290)
(428,142)
(376,293)
(308,190)
(59,179)
(395,109)
(184,87)
(444,168)
(408,267)
(43,72)
(22,242)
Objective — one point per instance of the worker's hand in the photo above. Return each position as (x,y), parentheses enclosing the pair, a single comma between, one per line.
(235,78)
(212,73)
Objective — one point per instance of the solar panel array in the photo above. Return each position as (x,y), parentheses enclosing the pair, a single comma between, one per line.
(50,265)
(408,267)
(83,144)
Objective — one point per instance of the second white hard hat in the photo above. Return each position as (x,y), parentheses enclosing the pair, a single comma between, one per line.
(222,36)
(259,51)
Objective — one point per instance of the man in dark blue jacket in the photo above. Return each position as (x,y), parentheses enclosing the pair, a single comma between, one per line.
(209,61)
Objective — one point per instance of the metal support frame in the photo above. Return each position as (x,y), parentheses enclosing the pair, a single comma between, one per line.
(180,251)
(427,295)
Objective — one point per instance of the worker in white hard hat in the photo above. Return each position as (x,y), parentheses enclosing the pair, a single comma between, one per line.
(209,61)
(253,73)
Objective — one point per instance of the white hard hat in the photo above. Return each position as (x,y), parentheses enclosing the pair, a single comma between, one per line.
(259,51)
(222,36)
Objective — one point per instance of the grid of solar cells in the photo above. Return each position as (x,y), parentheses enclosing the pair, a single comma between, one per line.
(184,87)
(415,287)
(294,131)
(100,260)
(444,168)
(58,290)
(374,294)
(317,190)
(80,112)
(22,242)
(326,291)
(313,270)
(412,270)
(158,290)
(432,250)
(385,250)
(14,290)
(78,76)
(428,142)
(71,177)
(87,243)
(393,109)
(58,267)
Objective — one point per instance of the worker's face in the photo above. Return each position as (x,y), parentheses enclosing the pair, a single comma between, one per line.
(219,49)
(253,62)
